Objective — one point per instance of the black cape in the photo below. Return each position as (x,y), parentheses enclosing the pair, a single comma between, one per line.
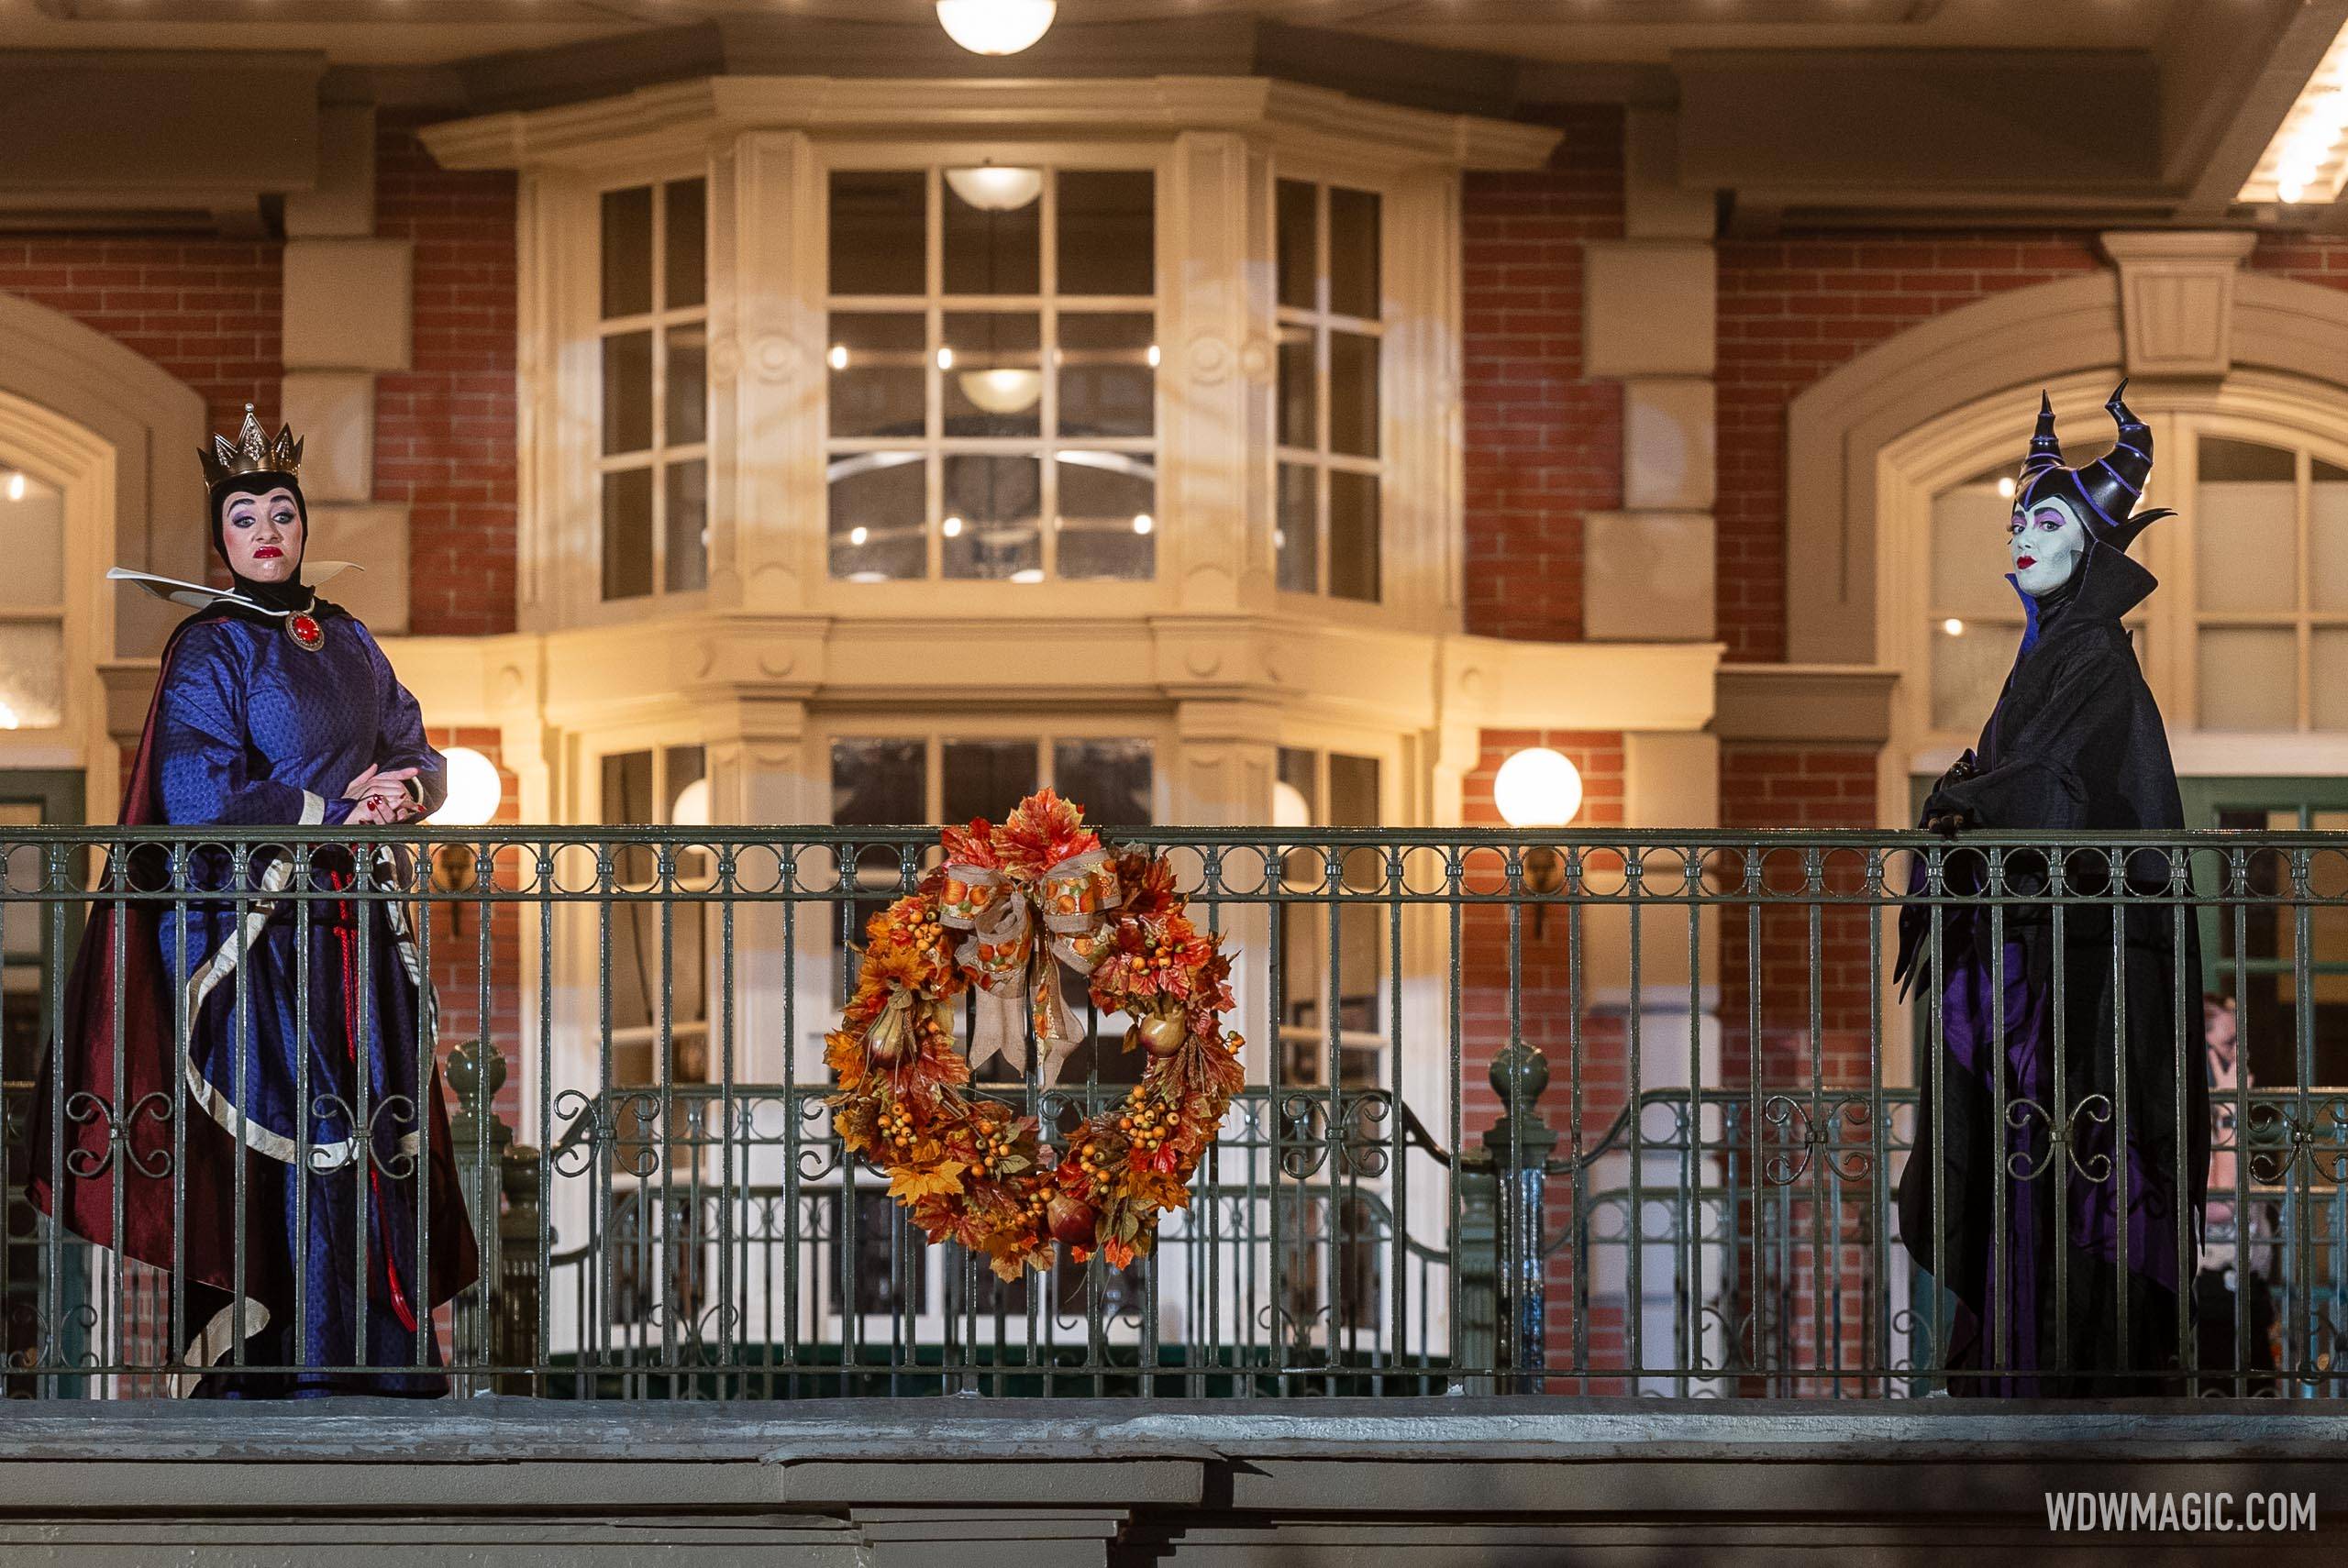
(2075,744)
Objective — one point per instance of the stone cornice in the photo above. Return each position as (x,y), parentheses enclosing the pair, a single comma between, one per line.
(683,115)
(1395,678)
(1806,703)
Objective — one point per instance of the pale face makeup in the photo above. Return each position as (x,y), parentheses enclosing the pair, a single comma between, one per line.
(263,535)
(2046,542)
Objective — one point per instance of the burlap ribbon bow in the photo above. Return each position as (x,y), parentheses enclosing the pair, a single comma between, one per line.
(1013,970)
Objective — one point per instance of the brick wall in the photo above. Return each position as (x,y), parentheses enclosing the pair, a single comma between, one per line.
(457,951)
(445,428)
(1790,311)
(207,311)
(1544,446)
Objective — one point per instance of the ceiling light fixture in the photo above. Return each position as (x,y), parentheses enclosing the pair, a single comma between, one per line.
(992,188)
(1003,390)
(2303,163)
(996,27)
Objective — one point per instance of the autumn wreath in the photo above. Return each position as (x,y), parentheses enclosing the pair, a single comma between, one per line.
(1006,909)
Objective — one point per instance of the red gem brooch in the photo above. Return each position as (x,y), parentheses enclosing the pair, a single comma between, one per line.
(305,632)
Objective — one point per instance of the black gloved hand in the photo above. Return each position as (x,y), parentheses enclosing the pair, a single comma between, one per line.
(1948,824)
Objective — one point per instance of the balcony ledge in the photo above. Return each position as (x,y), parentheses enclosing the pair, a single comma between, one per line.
(1053,1482)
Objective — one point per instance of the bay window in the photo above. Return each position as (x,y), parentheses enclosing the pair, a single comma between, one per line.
(993,374)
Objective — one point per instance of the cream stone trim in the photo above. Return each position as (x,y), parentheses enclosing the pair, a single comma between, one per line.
(1812,703)
(2176,299)
(1838,427)
(684,117)
(124,427)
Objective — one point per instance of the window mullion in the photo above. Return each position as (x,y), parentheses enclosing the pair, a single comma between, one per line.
(659,582)
(2303,635)
(1048,416)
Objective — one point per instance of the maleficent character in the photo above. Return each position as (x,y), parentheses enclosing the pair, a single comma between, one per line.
(2069,1286)
(298,1120)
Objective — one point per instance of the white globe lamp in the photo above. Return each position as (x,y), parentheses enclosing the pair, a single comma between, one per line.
(1538,788)
(474,790)
(996,27)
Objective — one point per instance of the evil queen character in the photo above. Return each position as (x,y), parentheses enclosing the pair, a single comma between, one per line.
(298,1119)
(2069,1286)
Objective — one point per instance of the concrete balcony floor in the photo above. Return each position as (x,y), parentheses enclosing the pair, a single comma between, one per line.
(974,1484)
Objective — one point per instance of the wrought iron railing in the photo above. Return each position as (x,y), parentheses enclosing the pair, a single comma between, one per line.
(1590,1113)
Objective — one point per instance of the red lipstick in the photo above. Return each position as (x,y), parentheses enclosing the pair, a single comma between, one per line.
(2025,562)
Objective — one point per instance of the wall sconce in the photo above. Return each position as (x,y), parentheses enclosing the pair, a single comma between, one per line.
(475,791)
(1538,788)
(996,27)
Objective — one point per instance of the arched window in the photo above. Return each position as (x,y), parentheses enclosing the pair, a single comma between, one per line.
(2248,633)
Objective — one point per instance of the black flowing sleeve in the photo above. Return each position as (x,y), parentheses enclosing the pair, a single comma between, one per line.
(2039,781)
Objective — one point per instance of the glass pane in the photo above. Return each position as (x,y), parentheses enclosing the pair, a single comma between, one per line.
(1108,232)
(32,676)
(880,783)
(1969,669)
(1353,535)
(998,502)
(627,251)
(879,365)
(2249,678)
(688,389)
(994,385)
(1353,253)
(877,233)
(1298,264)
(1353,394)
(1296,536)
(34,528)
(627,802)
(1969,556)
(2244,527)
(1110,778)
(1108,521)
(685,244)
(1299,391)
(2328,536)
(2328,680)
(628,534)
(1353,790)
(993,231)
(1107,384)
(628,393)
(987,778)
(1296,767)
(878,503)
(682,767)
(687,526)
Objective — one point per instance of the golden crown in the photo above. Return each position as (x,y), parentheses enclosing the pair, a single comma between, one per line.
(251,452)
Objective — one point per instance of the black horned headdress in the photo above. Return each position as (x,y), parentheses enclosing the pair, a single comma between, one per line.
(2106,491)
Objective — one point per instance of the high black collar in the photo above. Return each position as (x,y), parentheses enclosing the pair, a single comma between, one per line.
(2108,584)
